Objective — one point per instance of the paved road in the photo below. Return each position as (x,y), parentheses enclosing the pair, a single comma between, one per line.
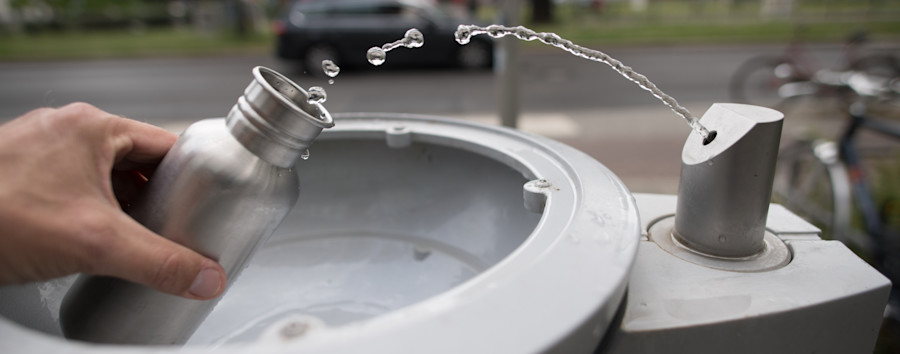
(582,103)
(552,81)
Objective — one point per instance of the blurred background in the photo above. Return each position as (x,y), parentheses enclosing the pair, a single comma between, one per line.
(173,62)
(182,60)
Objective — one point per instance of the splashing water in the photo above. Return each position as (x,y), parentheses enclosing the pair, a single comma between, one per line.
(330,68)
(376,56)
(412,39)
(316,95)
(464,35)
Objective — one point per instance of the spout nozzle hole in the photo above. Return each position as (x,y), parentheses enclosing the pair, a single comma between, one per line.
(709,138)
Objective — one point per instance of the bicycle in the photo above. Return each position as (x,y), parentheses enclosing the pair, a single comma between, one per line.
(827,183)
(768,80)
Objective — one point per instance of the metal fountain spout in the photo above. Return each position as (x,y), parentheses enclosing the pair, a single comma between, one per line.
(724,192)
(719,267)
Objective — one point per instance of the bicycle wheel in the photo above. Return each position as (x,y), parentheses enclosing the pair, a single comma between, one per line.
(883,65)
(886,66)
(812,182)
(757,80)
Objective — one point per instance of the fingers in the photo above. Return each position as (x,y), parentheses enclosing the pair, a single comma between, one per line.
(140,256)
(59,214)
(131,140)
(141,142)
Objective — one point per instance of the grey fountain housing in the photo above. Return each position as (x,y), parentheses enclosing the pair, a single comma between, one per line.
(422,234)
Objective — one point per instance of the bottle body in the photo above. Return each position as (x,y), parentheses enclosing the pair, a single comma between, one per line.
(210,194)
(221,190)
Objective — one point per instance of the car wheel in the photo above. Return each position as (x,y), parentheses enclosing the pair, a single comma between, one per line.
(315,54)
(475,55)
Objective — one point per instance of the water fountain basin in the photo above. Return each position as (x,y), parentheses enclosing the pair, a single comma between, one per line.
(414,234)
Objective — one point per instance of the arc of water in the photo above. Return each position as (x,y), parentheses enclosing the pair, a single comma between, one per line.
(412,39)
(464,34)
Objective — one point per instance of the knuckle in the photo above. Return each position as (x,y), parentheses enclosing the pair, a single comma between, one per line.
(78,113)
(79,108)
(38,112)
(167,276)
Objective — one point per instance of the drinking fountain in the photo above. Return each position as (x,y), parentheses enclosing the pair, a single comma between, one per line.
(426,234)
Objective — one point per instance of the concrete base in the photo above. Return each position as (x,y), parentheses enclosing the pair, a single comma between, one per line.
(826,300)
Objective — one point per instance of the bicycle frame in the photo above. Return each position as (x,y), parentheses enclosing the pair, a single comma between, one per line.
(828,154)
(798,54)
(850,155)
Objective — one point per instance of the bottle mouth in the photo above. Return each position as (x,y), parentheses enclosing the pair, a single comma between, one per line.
(294,97)
(275,119)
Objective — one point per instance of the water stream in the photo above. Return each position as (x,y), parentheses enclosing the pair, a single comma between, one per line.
(464,34)
(412,39)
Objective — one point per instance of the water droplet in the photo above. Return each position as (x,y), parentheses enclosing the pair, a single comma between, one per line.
(331,81)
(597,218)
(330,68)
(305,154)
(722,239)
(376,56)
(317,95)
(463,34)
(414,38)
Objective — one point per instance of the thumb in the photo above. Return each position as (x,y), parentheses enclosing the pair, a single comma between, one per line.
(144,257)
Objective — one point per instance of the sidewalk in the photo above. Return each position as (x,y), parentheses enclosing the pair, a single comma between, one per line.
(642,145)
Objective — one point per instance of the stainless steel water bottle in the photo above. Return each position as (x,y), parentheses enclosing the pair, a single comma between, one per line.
(221,190)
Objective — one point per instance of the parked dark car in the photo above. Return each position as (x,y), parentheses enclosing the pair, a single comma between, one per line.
(343,30)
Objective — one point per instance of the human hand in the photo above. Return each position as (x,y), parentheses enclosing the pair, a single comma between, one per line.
(59,214)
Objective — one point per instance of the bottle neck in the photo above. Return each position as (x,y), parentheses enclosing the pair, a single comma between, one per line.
(274,120)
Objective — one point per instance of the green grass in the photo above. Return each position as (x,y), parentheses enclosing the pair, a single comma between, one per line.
(689,22)
(716,33)
(106,44)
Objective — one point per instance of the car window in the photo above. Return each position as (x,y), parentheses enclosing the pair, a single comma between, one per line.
(390,10)
(354,9)
(380,16)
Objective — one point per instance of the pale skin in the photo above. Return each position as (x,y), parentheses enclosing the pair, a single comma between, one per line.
(59,214)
